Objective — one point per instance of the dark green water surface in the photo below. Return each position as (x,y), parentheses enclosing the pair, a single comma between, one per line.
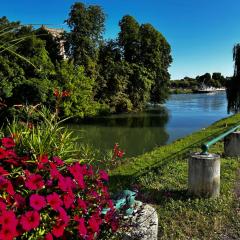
(137,133)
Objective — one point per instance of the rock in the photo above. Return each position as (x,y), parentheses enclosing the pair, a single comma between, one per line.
(144,224)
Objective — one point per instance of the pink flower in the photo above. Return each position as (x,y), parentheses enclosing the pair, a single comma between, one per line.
(65,184)
(8,142)
(3,172)
(48,237)
(8,232)
(43,158)
(19,200)
(68,200)
(93,224)
(37,202)
(82,228)
(30,220)
(58,161)
(54,201)
(82,204)
(103,175)
(8,218)
(34,182)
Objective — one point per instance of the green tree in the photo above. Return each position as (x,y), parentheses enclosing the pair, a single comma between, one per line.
(72,79)
(128,38)
(155,56)
(233,86)
(86,25)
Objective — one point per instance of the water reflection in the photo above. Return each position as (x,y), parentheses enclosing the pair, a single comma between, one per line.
(141,132)
(136,132)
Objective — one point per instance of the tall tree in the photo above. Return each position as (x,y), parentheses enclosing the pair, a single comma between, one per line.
(129,38)
(87,26)
(155,55)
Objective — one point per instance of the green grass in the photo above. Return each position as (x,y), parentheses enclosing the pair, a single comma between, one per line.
(161,176)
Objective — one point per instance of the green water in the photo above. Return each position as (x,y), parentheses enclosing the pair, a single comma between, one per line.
(137,133)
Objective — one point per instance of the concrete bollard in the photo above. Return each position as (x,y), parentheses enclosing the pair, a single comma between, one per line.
(232,144)
(204,175)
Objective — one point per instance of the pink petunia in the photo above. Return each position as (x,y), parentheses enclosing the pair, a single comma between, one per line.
(54,201)
(8,142)
(48,237)
(37,202)
(30,220)
(103,175)
(34,182)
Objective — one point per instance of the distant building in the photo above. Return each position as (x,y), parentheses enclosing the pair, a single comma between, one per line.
(57,34)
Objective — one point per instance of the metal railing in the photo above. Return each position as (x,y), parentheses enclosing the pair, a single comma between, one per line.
(205,146)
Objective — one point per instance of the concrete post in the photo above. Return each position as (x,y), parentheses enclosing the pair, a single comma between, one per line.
(204,175)
(232,144)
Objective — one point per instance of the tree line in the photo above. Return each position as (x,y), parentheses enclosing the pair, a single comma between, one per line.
(99,76)
(216,80)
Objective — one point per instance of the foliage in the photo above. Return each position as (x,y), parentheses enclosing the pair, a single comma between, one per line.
(87,25)
(233,87)
(46,198)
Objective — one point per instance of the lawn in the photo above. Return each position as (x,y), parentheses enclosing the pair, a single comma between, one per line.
(161,177)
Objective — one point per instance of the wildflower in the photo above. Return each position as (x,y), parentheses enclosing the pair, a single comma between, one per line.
(37,202)
(30,220)
(56,93)
(34,182)
(120,153)
(54,201)
(8,142)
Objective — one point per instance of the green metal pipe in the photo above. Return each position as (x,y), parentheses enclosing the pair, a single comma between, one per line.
(205,146)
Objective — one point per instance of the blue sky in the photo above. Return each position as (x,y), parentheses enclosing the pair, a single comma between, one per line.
(201,32)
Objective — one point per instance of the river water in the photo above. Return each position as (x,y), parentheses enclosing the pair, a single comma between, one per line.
(137,133)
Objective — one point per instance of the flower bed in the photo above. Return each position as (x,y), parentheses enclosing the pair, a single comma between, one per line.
(45,198)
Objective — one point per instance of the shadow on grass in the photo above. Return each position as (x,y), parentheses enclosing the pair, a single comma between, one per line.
(119,182)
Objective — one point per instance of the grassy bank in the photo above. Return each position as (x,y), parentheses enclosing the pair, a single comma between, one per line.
(161,176)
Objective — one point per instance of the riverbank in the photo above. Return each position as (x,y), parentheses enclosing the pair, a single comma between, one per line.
(161,177)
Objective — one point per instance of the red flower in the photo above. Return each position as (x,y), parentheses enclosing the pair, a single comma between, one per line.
(8,218)
(37,202)
(120,153)
(30,220)
(103,175)
(43,158)
(63,216)
(58,161)
(68,200)
(54,201)
(2,153)
(65,184)
(34,182)
(3,171)
(58,230)
(81,227)
(8,142)
(19,201)
(48,237)
(56,93)
(82,204)
(93,224)
(8,233)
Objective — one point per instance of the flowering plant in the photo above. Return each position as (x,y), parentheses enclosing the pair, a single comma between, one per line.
(45,198)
